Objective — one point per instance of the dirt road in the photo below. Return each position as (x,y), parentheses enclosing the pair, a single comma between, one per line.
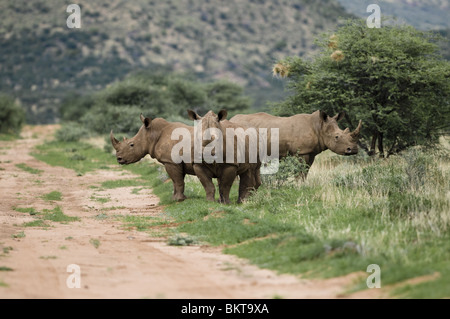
(113,262)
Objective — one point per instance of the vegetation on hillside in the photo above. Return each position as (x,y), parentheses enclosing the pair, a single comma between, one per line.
(421,14)
(41,59)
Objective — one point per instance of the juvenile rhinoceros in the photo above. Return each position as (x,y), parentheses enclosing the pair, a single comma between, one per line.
(306,135)
(154,138)
(223,165)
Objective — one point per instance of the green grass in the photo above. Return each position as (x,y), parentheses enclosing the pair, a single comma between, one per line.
(124,183)
(141,222)
(8,137)
(94,242)
(56,215)
(35,223)
(81,157)
(112,208)
(28,169)
(29,210)
(19,235)
(349,213)
(180,240)
(102,200)
(6,250)
(52,196)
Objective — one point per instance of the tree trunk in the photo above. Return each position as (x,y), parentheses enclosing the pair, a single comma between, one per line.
(380,144)
(373,143)
(391,150)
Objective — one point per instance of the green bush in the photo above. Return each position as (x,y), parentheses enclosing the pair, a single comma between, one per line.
(161,94)
(289,169)
(227,95)
(119,118)
(186,94)
(12,116)
(71,132)
(74,105)
(128,93)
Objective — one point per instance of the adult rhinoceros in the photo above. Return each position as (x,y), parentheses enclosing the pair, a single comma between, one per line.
(306,135)
(223,167)
(154,138)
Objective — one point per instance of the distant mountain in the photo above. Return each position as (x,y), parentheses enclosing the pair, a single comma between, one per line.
(41,59)
(422,14)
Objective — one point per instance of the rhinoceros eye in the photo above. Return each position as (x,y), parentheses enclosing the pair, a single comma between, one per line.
(131,144)
(336,137)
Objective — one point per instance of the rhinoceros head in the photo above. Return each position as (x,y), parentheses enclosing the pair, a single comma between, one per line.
(210,120)
(131,150)
(342,142)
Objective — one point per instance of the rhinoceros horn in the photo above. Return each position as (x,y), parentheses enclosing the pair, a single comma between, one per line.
(355,133)
(114,141)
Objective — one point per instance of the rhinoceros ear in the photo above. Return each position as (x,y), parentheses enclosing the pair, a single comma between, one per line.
(193,116)
(145,120)
(339,116)
(323,116)
(222,115)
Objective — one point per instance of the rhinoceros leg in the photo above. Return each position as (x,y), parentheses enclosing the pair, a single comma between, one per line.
(249,181)
(176,173)
(257,175)
(226,179)
(205,176)
(245,184)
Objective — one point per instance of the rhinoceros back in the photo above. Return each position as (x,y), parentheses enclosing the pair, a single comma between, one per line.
(297,133)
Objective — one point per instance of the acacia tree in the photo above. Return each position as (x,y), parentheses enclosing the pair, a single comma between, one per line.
(390,77)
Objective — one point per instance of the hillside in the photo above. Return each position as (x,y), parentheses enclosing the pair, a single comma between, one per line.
(426,15)
(41,59)
(422,14)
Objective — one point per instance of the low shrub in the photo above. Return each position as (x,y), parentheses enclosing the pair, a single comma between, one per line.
(12,116)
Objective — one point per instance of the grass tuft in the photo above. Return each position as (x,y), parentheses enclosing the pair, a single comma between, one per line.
(28,169)
(52,196)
